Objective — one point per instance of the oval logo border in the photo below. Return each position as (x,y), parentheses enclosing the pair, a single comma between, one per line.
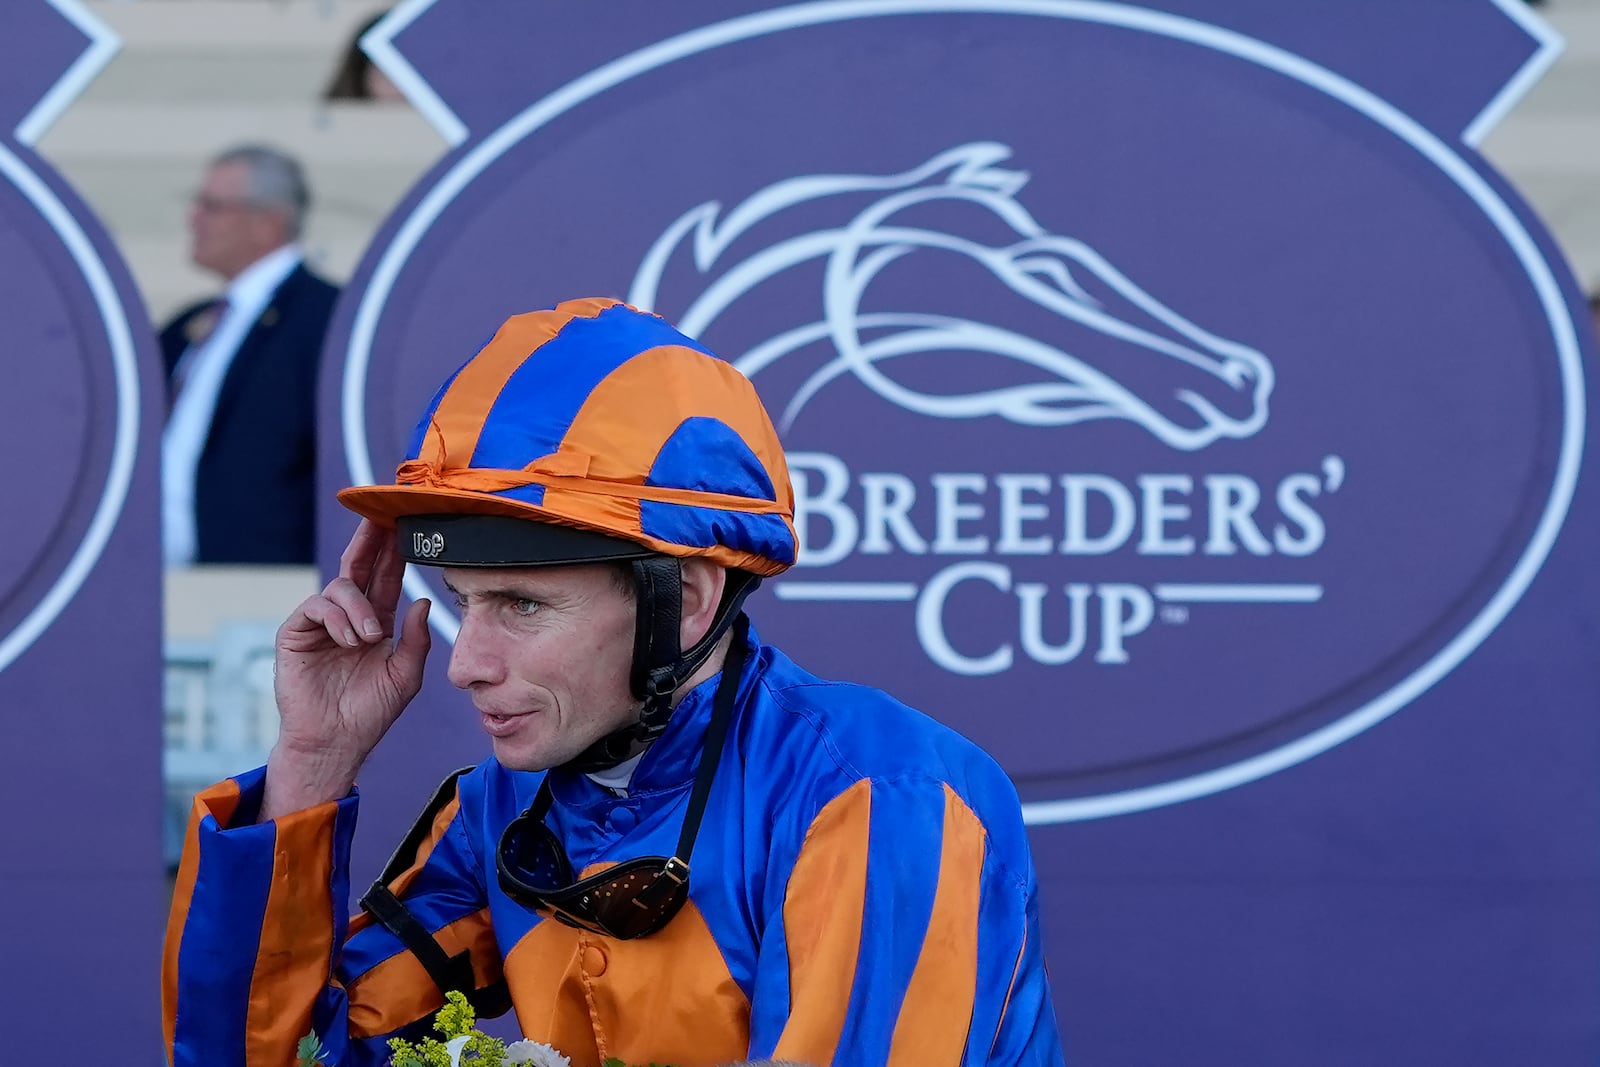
(1524,248)
(126,438)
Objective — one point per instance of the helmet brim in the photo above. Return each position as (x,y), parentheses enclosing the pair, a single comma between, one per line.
(389,505)
(452,528)
(502,541)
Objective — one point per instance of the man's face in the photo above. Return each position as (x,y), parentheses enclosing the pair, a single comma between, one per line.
(228,231)
(545,653)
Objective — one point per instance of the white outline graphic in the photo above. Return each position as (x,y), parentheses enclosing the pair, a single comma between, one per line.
(1173,593)
(858,591)
(1042,268)
(1517,86)
(378,44)
(1237,593)
(1403,127)
(103,44)
(125,443)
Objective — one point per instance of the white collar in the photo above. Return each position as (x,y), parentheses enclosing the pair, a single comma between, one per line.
(617,778)
(254,285)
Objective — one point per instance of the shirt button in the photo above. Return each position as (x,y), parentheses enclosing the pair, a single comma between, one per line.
(594,960)
(621,820)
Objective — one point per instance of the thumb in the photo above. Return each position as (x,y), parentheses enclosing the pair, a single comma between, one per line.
(411,650)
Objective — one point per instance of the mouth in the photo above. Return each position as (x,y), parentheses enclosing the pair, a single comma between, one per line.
(496,725)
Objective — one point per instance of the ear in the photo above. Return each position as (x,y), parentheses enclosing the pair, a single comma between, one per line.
(703,582)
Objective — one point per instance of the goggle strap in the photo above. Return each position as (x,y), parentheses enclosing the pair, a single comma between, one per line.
(448,972)
(658,581)
(716,736)
(673,877)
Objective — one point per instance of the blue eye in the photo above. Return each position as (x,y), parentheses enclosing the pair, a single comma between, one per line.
(524,606)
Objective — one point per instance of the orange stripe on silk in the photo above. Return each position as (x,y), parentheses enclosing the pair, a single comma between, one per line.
(465,405)
(398,990)
(480,480)
(599,997)
(666,998)
(544,972)
(220,801)
(296,937)
(441,822)
(937,1011)
(626,419)
(822,912)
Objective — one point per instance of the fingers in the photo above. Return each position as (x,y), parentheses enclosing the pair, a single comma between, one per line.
(361,616)
(387,577)
(363,552)
(314,623)
(341,613)
(347,616)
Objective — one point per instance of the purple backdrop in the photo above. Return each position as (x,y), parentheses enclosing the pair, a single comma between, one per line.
(1179,407)
(81,878)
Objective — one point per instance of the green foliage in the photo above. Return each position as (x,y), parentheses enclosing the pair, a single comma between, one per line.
(454,1020)
(309,1052)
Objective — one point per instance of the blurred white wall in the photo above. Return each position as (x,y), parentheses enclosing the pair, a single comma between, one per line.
(196,76)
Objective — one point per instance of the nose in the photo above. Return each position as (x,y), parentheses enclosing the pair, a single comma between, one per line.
(474,660)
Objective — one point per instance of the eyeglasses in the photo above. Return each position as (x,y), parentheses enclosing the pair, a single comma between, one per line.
(637,897)
(213,205)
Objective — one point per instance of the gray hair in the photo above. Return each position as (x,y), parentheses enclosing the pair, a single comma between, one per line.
(276,181)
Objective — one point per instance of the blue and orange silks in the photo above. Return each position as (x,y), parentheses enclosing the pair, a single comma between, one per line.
(861,893)
(599,416)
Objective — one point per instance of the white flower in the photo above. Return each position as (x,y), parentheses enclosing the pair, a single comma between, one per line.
(454,1047)
(535,1054)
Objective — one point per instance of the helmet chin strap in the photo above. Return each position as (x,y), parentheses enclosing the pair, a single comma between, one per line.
(660,664)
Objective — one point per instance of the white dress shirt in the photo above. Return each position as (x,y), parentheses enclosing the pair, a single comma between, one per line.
(202,369)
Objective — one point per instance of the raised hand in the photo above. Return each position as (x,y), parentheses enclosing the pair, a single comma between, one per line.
(341,678)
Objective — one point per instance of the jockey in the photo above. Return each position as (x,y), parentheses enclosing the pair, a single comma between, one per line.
(685,848)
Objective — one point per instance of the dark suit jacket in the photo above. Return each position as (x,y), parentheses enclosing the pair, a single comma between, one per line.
(254,495)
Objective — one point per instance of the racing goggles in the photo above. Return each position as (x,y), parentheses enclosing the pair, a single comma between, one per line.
(637,897)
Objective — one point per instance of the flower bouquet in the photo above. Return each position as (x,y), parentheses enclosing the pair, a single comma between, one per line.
(463,1046)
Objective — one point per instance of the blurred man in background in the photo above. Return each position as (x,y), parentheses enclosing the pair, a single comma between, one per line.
(239,450)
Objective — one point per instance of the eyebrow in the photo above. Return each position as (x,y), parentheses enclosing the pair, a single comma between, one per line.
(504,592)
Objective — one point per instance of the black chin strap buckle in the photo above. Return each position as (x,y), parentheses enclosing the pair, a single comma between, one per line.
(660,684)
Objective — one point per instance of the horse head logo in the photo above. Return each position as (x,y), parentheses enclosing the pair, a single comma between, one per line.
(1105,349)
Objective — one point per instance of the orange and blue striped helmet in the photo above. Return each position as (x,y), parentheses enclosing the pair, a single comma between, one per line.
(595,417)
